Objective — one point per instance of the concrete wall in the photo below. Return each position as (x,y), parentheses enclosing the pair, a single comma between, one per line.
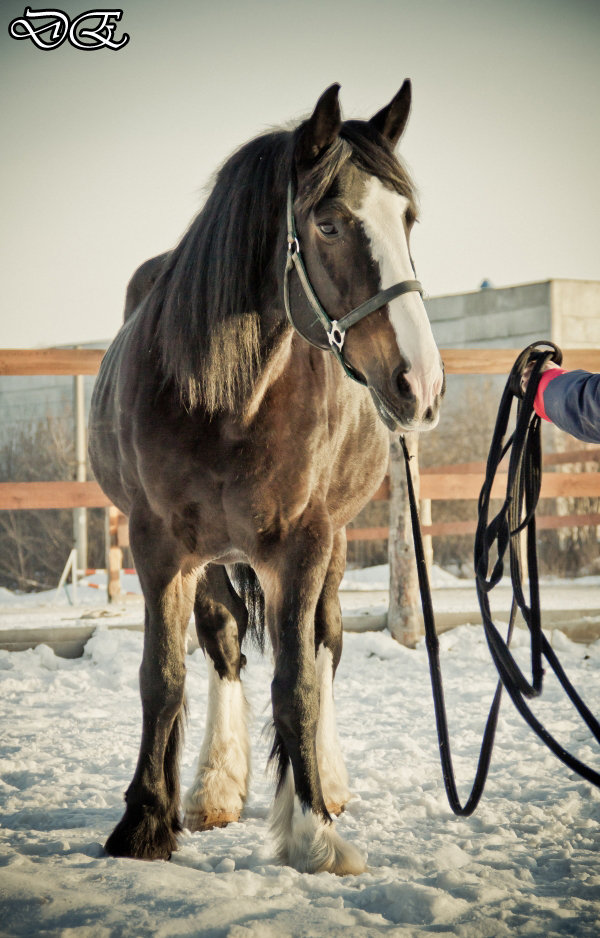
(490,318)
(565,311)
(576,313)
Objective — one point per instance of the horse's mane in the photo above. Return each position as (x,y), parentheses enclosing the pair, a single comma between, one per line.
(207,302)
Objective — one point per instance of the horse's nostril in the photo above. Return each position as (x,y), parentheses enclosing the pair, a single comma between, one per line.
(399,379)
(403,386)
(428,415)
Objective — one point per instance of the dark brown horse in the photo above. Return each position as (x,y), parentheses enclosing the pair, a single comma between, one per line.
(231,436)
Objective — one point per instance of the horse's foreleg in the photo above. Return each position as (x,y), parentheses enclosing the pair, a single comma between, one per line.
(328,650)
(149,827)
(219,790)
(302,826)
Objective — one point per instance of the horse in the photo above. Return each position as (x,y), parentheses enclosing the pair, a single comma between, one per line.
(225,425)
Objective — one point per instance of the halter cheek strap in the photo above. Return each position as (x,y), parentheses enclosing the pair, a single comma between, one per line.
(335,329)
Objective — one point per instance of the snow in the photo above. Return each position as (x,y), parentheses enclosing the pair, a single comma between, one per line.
(527,863)
(377,578)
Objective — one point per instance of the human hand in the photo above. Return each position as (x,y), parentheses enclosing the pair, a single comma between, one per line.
(527,373)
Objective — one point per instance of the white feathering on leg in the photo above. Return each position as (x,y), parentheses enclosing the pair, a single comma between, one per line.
(219,790)
(282,813)
(332,769)
(305,841)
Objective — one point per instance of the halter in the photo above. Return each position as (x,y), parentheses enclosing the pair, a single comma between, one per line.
(335,329)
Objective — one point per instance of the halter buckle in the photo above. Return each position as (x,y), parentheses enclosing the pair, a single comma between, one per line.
(336,336)
(293,246)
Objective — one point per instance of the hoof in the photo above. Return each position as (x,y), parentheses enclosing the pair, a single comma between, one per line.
(316,847)
(142,834)
(207,820)
(307,841)
(336,808)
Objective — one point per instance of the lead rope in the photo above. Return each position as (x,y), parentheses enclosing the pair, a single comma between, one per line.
(523,489)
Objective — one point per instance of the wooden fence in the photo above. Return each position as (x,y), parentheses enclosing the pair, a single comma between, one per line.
(462,481)
(458,481)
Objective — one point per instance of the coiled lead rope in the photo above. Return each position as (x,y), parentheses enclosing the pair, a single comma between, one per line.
(502,532)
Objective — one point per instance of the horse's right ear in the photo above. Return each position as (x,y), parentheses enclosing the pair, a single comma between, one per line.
(321,129)
(391,120)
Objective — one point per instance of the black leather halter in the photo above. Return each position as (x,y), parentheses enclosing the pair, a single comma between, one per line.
(335,329)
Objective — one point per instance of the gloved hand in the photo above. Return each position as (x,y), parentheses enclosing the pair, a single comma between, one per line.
(527,373)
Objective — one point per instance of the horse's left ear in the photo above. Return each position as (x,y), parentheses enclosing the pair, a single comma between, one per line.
(391,120)
(321,129)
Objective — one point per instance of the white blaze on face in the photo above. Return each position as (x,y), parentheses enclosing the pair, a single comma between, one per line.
(382,215)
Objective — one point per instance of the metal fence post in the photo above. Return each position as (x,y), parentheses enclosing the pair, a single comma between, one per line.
(80,514)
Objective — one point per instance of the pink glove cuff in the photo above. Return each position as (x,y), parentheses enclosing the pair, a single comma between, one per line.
(547,377)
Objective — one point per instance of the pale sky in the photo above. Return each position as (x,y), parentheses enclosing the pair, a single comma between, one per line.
(105,154)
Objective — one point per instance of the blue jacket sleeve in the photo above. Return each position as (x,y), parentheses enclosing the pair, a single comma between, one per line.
(572,402)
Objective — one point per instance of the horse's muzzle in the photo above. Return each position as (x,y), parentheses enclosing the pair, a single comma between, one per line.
(401,409)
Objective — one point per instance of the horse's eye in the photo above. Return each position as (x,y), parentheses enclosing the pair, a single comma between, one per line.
(327,228)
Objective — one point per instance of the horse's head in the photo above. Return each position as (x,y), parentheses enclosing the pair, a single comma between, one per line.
(352,213)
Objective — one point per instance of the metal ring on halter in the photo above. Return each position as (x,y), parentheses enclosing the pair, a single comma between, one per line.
(336,336)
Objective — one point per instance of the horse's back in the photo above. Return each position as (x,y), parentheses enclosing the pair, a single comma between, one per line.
(142,282)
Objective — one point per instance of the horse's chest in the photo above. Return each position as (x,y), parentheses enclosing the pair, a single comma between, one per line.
(338,465)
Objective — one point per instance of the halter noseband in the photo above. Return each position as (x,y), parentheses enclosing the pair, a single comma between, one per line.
(334,328)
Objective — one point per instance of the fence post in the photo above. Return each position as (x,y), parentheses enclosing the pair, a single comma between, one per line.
(80,514)
(404,606)
(70,567)
(114,554)
(425,512)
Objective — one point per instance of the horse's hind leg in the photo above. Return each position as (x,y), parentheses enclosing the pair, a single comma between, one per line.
(328,650)
(219,790)
(302,826)
(150,825)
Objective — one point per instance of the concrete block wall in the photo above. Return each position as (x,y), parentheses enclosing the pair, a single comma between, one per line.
(492,318)
(576,313)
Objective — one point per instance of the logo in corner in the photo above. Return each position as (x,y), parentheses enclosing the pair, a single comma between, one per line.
(49,29)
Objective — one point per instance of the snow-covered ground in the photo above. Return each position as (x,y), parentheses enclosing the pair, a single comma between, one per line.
(526,864)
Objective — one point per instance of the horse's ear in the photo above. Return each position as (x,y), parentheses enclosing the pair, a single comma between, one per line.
(321,129)
(391,120)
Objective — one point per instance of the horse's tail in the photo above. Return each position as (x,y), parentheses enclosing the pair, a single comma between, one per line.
(245,582)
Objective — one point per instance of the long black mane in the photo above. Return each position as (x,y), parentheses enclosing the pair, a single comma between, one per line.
(223,274)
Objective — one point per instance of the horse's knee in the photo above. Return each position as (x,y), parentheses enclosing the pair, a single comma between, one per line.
(221,620)
(162,688)
(218,638)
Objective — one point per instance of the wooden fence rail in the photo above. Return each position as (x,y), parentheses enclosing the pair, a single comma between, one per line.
(452,482)
(15,496)
(59,361)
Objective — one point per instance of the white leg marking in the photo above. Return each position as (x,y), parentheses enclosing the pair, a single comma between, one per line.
(307,842)
(219,790)
(382,214)
(334,777)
